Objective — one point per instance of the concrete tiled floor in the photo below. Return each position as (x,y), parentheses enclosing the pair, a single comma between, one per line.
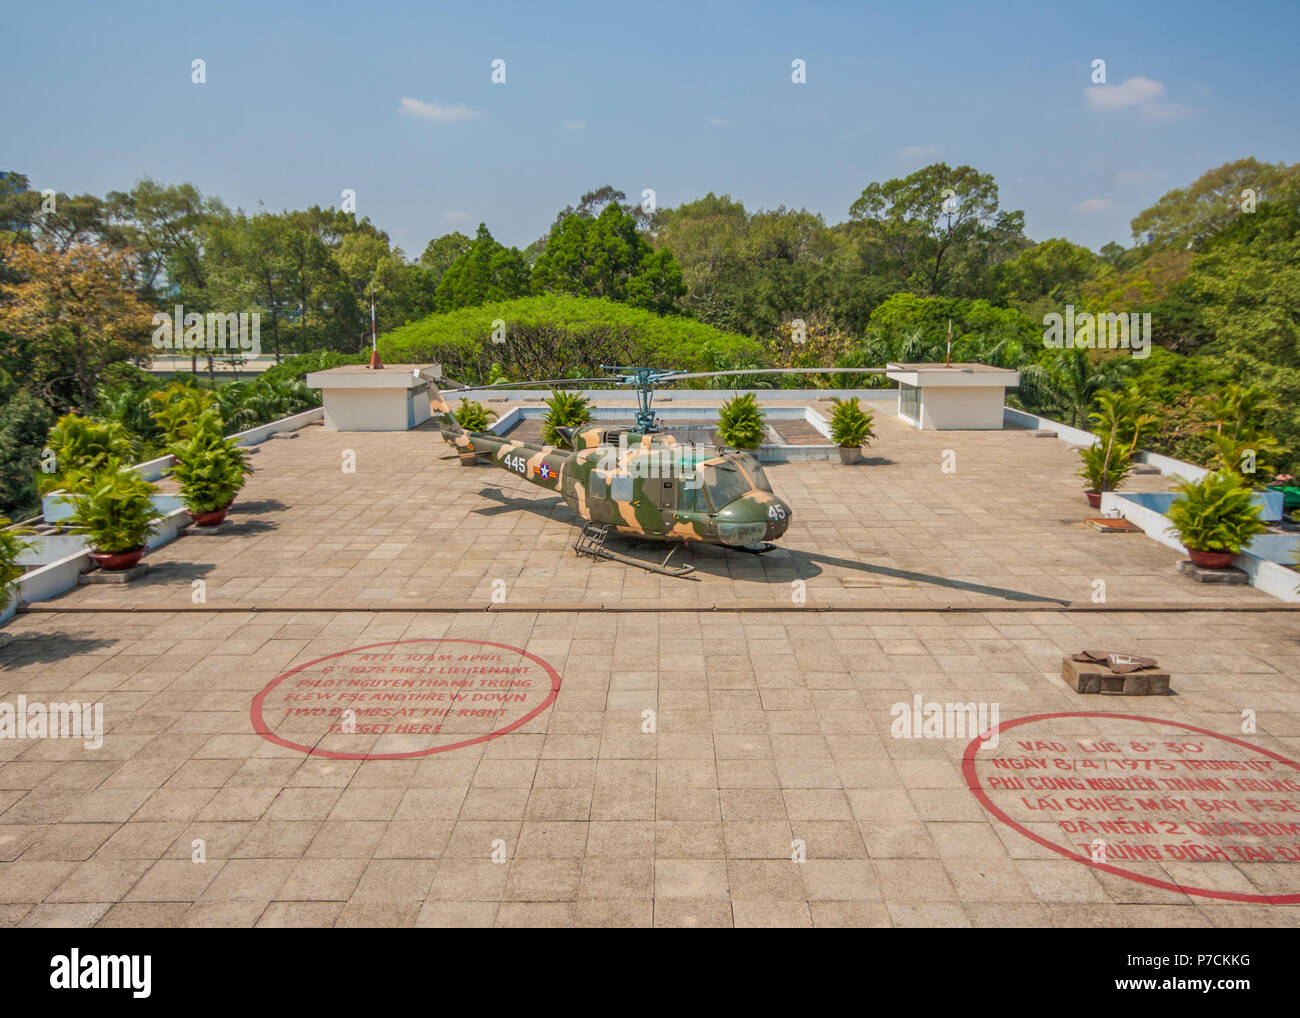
(771,729)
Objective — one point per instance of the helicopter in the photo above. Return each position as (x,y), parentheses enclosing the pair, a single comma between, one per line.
(638,482)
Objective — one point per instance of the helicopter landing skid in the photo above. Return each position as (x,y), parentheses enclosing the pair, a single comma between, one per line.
(592,542)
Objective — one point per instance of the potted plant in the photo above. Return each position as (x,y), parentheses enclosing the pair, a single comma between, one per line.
(1118,422)
(11,546)
(564,410)
(115,512)
(1215,518)
(472,416)
(210,470)
(179,409)
(81,444)
(1104,469)
(850,428)
(742,423)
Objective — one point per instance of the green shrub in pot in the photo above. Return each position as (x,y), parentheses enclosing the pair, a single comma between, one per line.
(11,546)
(113,509)
(81,445)
(473,416)
(742,422)
(564,410)
(1217,514)
(850,427)
(210,470)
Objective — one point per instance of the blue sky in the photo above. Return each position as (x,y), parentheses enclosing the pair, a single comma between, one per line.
(304,100)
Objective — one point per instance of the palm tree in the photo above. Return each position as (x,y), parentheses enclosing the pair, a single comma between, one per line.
(1241,408)
(1068,383)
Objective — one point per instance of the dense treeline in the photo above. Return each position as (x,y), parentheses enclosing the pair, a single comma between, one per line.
(709,282)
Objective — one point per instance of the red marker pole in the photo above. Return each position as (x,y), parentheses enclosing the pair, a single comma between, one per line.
(375,362)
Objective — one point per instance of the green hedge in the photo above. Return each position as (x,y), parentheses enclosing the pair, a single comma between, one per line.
(554,336)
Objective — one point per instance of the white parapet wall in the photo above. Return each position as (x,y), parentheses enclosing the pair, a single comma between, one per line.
(1262,561)
(1269,576)
(59,559)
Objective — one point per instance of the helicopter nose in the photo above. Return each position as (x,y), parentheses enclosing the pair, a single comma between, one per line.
(778,519)
(750,520)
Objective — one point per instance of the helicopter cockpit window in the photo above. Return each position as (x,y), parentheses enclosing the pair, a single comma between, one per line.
(691,497)
(724,484)
(757,475)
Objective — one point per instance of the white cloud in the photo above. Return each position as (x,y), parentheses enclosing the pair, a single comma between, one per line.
(436,111)
(457,217)
(720,122)
(575,125)
(1134,93)
(1093,205)
(920,151)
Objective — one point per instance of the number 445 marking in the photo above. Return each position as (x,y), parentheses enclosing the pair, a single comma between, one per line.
(516,463)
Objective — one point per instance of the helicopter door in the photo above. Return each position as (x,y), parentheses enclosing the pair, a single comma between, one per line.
(662,493)
(598,508)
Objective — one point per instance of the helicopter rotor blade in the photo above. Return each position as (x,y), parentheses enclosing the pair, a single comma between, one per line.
(459,387)
(773,371)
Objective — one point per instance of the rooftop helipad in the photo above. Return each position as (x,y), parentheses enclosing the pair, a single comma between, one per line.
(538,738)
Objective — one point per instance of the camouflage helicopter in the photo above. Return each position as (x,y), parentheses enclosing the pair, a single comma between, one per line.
(638,483)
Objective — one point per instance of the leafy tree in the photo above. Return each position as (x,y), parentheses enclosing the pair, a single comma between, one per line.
(161,224)
(942,244)
(442,252)
(24,422)
(1047,276)
(1247,284)
(607,257)
(487,271)
(76,307)
(1187,217)
(1067,382)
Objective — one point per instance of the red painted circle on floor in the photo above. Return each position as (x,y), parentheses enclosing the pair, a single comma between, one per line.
(403,699)
(1148,797)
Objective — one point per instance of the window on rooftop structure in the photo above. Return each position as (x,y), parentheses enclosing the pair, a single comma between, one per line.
(909,401)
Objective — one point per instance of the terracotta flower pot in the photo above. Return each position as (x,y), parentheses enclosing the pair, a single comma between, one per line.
(850,453)
(1210,559)
(1094,498)
(117,561)
(209,519)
